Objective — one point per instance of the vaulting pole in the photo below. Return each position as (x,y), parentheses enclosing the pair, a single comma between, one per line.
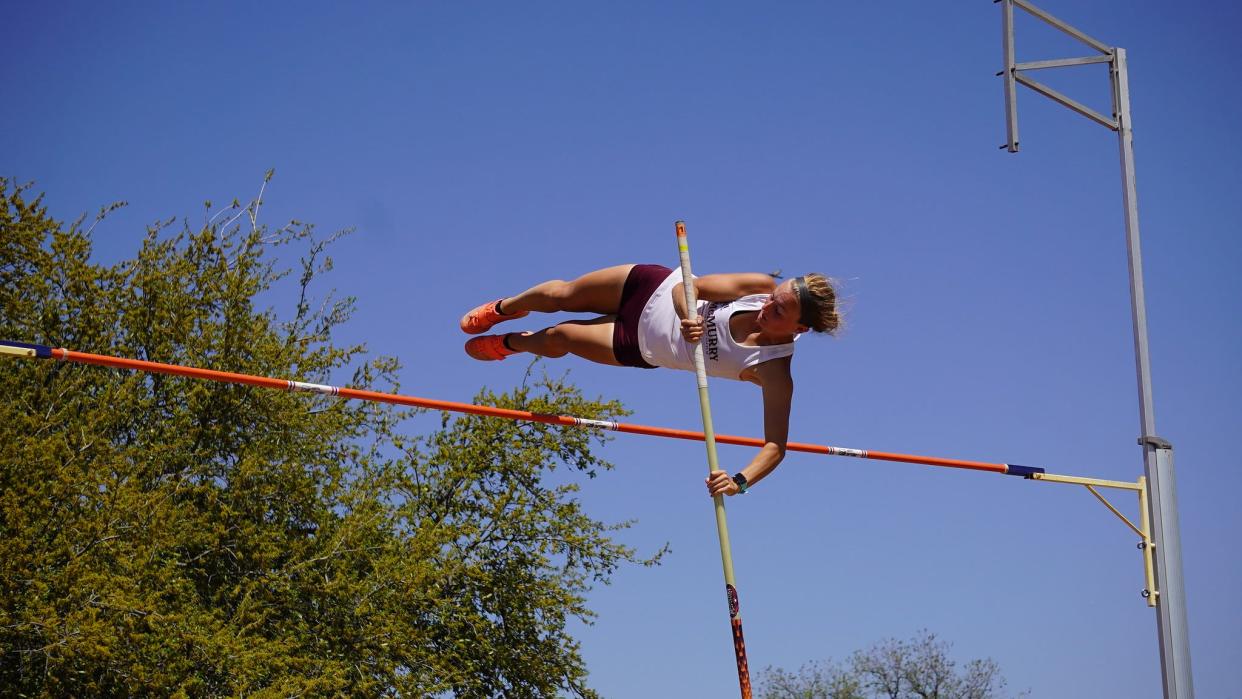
(709,437)
(32,351)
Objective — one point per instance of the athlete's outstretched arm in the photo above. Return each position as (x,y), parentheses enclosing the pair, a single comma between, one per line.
(777,384)
(727,287)
(724,287)
(775,379)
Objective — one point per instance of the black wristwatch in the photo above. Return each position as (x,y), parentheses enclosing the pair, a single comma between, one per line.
(740,480)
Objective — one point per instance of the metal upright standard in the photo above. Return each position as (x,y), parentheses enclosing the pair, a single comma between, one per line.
(709,437)
(1168,595)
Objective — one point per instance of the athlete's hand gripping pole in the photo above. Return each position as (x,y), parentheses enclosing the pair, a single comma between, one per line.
(709,438)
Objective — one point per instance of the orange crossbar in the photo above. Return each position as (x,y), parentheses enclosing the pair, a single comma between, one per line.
(468,408)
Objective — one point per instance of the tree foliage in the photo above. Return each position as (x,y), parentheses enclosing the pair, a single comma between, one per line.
(919,668)
(163,536)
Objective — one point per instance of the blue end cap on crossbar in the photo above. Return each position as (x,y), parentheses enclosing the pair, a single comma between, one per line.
(41,351)
(1023,471)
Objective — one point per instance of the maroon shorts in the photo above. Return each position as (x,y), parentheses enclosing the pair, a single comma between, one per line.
(639,286)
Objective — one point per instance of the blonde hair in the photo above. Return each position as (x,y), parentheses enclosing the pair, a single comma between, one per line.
(824,313)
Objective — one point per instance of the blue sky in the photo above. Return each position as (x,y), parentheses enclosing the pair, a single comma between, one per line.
(479,148)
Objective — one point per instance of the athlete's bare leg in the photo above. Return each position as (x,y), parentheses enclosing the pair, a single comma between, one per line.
(589,339)
(593,292)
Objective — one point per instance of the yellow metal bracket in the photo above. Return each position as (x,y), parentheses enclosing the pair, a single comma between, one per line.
(1146,545)
(17,351)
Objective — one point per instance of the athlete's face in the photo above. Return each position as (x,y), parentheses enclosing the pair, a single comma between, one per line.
(779,314)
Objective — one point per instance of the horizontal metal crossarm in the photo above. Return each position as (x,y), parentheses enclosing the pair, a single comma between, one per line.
(18,349)
(1079,480)
(1062,62)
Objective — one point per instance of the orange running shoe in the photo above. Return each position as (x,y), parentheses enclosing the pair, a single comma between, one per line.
(488,348)
(482,319)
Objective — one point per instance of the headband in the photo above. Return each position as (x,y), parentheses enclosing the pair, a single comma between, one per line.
(806,302)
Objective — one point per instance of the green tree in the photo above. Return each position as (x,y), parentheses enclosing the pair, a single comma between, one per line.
(919,668)
(164,536)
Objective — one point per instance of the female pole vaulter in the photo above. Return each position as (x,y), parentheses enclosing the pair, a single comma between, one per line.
(748,321)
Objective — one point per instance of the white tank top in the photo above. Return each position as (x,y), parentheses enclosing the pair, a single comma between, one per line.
(661,342)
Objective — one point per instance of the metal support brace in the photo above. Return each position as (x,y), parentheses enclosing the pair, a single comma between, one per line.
(1012,71)
(1146,544)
